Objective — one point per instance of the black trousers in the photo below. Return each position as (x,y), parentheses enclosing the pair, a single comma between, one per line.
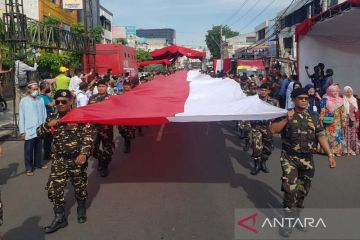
(33,154)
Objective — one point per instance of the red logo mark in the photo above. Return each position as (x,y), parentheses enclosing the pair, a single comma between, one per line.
(253,217)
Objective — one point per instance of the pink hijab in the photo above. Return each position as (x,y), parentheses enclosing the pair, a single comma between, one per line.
(333,102)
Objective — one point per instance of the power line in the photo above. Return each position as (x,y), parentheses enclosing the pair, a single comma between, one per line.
(257,16)
(268,30)
(236,12)
(242,17)
(274,34)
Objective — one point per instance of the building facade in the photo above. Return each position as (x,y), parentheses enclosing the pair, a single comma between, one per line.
(165,33)
(106,23)
(238,42)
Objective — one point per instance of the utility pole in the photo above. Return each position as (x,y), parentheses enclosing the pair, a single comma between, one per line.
(85,17)
(221,43)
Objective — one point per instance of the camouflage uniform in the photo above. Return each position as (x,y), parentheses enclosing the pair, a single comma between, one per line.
(297,163)
(105,136)
(128,133)
(242,125)
(262,143)
(69,141)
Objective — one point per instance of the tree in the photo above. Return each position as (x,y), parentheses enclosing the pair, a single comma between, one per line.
(213,38)
(122,41)
(143,55)
(78,28)
(96,34)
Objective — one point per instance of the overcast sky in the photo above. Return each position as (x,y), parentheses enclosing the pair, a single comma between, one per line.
(192,18)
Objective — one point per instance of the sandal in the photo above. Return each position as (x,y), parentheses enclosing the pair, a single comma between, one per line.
(29,173)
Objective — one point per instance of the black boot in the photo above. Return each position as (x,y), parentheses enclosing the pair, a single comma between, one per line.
(299,226)
(100,165)
(105,170)
(127,146)
(59,221)
(247,146)
(286,230)
(81,211)
(256,169)
(264,168)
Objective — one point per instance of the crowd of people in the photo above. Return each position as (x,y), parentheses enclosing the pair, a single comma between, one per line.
(338,107)
(321,118)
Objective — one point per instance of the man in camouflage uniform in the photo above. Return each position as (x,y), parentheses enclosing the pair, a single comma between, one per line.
(127,132)
(262,143)
(71,148)
(299,132)
(105,133)
(252,88)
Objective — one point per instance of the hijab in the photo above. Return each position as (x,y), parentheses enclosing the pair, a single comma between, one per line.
(333,102)
(351,100)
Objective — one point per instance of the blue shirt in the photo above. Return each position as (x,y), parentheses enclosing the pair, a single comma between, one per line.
(47,100)
(32,113)
(283,87)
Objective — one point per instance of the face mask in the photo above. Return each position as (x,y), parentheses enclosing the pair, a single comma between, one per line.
(34,93)
(48,91)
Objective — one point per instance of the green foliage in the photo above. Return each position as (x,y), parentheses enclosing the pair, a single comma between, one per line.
(213,38)
(51,21)
(143,55)
(96,34)
(122,41)
(51,62)
(157,67)
(78,28)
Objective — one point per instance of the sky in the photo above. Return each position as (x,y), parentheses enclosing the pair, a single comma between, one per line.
(192,18)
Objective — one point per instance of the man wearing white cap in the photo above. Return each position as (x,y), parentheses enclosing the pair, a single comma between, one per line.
(32,114)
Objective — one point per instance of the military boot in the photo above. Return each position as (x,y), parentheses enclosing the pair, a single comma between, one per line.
(286,229)
(127,146)
(81,211)
(299,226)
(247,146)
(256,169)
(263,166)
(105,170)
(59,221)
(100,164)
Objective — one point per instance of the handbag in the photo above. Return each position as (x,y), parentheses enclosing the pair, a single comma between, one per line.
(328,120)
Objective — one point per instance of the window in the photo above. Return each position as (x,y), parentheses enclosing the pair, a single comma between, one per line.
(288,42)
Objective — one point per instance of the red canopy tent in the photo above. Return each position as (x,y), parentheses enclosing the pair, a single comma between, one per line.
(162,61)
(173,52)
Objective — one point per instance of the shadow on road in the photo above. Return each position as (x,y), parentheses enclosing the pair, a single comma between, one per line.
(9,172)
(29,230)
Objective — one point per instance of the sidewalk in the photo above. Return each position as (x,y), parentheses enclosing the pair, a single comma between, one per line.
(7,121)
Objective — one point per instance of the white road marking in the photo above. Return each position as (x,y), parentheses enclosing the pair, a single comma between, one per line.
(160,133)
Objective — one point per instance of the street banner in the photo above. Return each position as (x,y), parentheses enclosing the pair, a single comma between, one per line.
(73,4)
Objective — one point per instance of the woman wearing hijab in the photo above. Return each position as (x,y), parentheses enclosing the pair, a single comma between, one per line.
(352,121)
(333,118)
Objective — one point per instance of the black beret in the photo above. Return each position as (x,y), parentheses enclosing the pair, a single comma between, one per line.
(102,82)
(62,93)
(264,86)
(299,91)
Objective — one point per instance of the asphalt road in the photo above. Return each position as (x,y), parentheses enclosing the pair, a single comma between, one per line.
(180,182)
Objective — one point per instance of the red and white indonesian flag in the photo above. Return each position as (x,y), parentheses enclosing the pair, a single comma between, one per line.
(186,96)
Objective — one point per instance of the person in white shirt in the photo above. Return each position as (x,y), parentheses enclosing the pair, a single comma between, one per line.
(75,81)
(82,97)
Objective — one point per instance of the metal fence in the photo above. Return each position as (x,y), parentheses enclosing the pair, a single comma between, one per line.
(7,85)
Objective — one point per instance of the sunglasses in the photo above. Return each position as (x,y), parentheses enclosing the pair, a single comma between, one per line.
(303,98)
(63,102)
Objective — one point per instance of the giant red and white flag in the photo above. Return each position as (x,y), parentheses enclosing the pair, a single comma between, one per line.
(186,96)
